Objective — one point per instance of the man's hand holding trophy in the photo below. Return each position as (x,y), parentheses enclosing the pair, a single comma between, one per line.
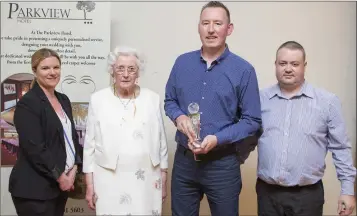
(209,142)
(191,126)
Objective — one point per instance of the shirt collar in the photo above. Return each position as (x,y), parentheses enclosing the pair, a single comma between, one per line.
(221,57)
(306,90)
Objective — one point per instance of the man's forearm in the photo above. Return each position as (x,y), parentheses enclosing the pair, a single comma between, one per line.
(172,110)
(250,118)
(238,131)
(346,172)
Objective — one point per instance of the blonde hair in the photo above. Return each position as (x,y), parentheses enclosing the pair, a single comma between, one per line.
(39,56)
(125,51)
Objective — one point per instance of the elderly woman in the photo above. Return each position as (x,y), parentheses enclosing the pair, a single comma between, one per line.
(125,152)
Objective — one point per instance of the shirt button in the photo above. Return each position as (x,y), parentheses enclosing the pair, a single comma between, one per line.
(204,83)
(203,97)
(201,113)
(286,133)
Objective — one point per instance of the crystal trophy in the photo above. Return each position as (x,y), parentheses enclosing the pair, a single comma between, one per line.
(194,115)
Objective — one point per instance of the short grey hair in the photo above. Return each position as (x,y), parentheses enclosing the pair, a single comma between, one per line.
(126,51)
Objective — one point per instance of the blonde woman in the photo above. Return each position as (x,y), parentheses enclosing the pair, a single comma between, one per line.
(49,151)
(125,150)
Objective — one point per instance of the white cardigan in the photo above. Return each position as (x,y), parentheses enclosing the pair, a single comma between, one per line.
(100,142)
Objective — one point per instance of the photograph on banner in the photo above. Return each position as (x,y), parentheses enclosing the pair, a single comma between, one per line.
(78,31)
(12,90)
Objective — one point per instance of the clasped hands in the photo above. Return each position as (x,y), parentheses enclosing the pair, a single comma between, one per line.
(66,181)
(184,125)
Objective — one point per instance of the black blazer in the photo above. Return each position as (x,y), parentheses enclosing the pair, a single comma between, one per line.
(41,157)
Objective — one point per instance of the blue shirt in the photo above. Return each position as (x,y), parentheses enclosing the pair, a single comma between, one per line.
(298,132)
(221,89)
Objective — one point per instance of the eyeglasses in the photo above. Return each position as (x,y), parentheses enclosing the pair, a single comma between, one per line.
(121,69)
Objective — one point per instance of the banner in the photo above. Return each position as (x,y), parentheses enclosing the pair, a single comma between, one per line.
(80,33)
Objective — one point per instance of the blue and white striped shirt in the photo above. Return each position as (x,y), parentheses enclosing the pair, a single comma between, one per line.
(297,134)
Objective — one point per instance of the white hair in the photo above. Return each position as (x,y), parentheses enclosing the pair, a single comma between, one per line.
(125,51)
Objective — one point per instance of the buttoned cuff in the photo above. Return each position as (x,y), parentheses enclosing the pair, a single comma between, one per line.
(176,115)
(221,139)
(347,188)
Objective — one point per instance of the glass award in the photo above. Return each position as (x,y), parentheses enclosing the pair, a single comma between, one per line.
(193,109)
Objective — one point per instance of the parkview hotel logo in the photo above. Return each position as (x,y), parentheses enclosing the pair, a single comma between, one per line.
(27,14)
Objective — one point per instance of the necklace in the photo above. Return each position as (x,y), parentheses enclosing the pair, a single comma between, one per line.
(125,105)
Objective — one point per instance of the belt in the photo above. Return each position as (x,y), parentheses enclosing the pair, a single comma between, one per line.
(214,154)
(293,187)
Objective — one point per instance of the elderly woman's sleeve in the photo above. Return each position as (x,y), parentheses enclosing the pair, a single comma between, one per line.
(163,142)
(89,141)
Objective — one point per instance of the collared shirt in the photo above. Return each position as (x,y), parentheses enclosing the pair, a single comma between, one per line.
(228,85)
(298,132)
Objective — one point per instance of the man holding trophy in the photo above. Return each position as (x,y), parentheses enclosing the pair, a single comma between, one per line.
(212,96)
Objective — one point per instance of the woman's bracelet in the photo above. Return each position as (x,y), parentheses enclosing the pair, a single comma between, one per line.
(164,170)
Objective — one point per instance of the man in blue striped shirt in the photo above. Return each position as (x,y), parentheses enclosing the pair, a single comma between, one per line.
(225,87)
(301,123)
